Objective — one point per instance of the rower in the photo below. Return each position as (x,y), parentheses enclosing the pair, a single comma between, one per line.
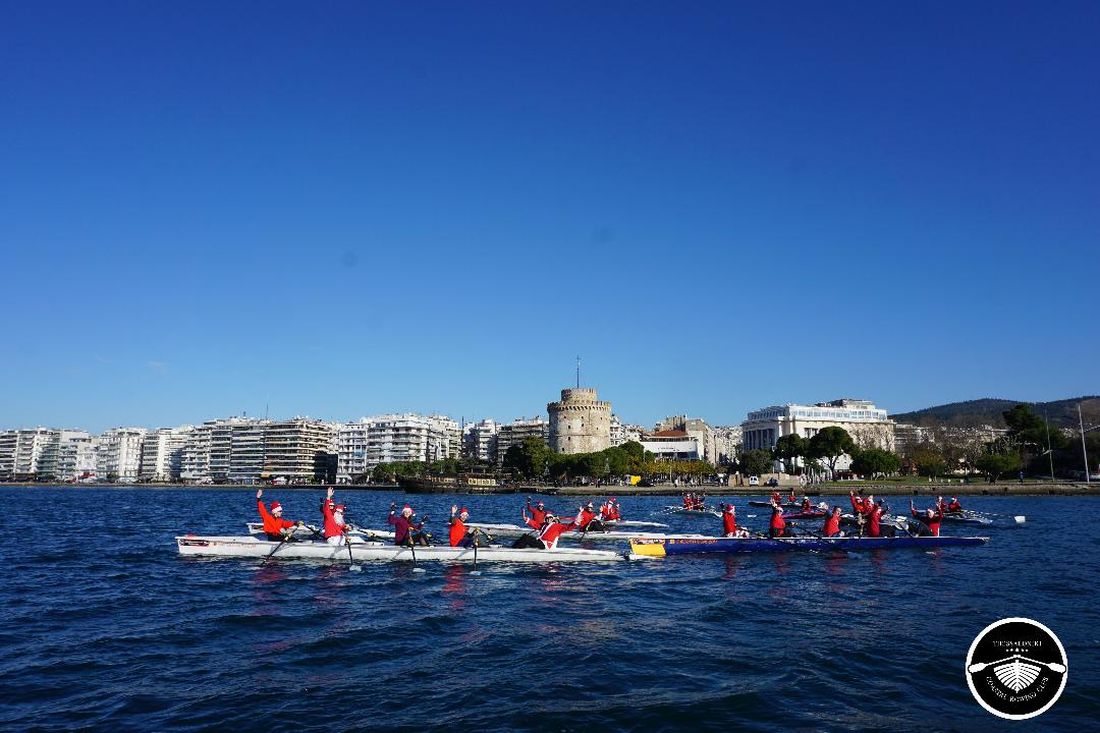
(832,524)
(538,512)
(858,502)
(613,514)
(778,525)
(531,521)
(605,510)
(874,517)
(335,528)
(806,506)
(275,527)
(406,531)
(460,534)
(587,521)
(776,498)
(930,519)
(954,505)
(791,498)
(729,521)
(553,530)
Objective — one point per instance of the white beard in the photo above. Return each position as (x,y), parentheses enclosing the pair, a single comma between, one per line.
(338,518)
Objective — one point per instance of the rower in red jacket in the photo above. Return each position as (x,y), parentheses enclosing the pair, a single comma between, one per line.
(954,505)
(858,502)
(791,498)
(874,517)
(776,498)
(930,518)
(729,521)
(553,530)
(275,527)
(613,510)
(778,526)
(335,528)
(586,520)
(832,524)
(460,534)
(806,505)
(530,521)
(538,512)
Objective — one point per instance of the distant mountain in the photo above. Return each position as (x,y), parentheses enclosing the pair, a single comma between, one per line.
(973,413)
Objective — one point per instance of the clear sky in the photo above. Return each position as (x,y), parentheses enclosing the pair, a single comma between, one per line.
(346,208)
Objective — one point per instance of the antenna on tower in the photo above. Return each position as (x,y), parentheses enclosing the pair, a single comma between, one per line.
(578,372)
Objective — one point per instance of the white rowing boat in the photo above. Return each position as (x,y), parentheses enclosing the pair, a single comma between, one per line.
(306,531)
(633,523)
(515,530)
(706,511)
(248,546)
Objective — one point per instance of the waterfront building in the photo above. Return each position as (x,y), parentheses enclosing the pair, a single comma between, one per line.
(351,450)
(580,422)
(727,444)
(35,454)
(162,453)
(696,429)
(515,432)
(621,433)
(300,450)
(118,455)
(444,438)
(480,440)
(869,426)
(76,454)
(195,456)
(676,445)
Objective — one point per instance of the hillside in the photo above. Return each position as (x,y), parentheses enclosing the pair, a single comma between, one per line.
(1061,413)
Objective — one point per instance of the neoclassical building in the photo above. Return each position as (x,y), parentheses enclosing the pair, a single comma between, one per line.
(580,422)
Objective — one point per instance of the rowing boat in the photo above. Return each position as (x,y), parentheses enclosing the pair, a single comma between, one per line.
(687,546)
(308,531)
(785,504)
(248,546)
(966,517)
(812,514)
(707,511)
(633,523)
(515,530)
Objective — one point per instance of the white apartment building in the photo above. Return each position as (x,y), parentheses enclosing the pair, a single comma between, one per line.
(515,432)
(727,443)
(195,456)
(623,432)
(162,453)
(351,450)
(869,426)
(76,455)
(297,450)
(35,453)
(480,440)
(118,454)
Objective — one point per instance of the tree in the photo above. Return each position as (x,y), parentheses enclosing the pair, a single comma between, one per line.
(788,448)
(928,460)
(529,459)
(994,464)
(875,461)
(756,462)
(830,444)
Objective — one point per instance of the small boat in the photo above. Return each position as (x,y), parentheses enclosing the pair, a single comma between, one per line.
(516,530)
(706,511)
(307,532)
(632,523)
(966,517)
(249,546)
(689,546)
(812,514)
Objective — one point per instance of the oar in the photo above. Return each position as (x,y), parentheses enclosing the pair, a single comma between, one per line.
(412,548)
(285,538)
(351,560)
(475,571)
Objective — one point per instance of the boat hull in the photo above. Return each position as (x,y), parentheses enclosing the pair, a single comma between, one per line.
(725,545)
(515,530)
(235,546)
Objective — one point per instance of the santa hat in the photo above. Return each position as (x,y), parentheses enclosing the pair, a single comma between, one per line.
(276,506)
(463,510)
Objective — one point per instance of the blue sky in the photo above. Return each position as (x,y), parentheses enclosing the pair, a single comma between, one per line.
(340,209)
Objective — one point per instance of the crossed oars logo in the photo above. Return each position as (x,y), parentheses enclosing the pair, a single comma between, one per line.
(1017,672)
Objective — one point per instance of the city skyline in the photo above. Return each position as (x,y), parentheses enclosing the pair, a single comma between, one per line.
(375,209)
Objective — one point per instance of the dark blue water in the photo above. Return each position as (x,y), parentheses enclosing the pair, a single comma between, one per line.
(104,627)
